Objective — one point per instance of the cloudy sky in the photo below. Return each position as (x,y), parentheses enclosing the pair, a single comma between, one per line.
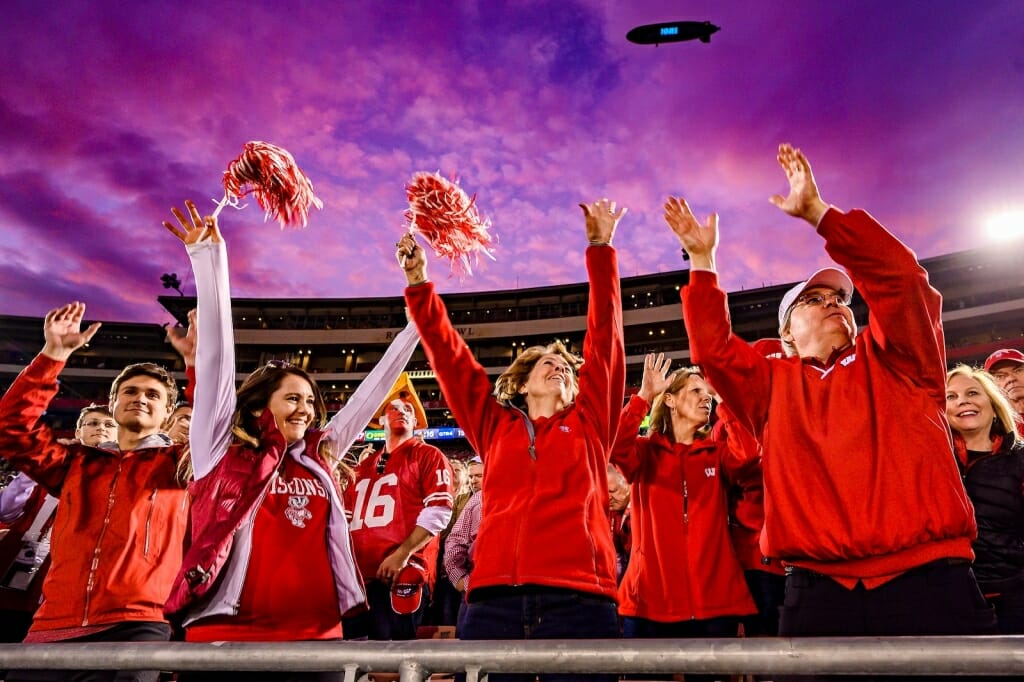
(112,112)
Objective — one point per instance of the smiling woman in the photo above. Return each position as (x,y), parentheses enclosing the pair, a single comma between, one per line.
(265,488)
(991,458)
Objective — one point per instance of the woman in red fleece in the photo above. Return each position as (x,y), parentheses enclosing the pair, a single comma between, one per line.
(544,564)
(673,588)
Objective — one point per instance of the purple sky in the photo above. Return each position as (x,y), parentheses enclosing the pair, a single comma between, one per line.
(111,112)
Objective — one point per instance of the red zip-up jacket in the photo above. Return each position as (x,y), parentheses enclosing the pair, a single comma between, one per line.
(682,566)
(860,479)
(120,526)
(545,519)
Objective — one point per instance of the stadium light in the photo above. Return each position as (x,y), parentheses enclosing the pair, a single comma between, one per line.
(1006,226)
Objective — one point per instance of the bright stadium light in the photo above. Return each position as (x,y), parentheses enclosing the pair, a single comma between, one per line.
(1006,226)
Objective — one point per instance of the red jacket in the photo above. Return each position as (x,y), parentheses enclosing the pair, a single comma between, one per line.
(121,522)
(682,566)
(859,475)
(212,573)
(545,519)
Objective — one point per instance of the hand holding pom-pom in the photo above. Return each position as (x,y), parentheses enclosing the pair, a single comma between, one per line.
(271,175)
(447,217)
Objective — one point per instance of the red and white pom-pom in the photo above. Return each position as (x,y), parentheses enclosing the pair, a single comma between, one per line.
(271,175)
(448,219)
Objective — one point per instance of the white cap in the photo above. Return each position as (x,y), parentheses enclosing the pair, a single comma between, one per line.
(833,278)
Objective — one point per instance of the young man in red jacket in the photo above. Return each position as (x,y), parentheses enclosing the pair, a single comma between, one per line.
(119,528)
(863,499)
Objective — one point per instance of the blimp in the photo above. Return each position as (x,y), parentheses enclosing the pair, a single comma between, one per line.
(672,32)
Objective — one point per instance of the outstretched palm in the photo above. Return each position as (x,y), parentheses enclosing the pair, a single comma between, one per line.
(656,379)
(194,228)
(803,200)
(62,330)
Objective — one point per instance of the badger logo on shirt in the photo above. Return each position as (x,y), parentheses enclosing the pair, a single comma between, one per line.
(297,512)
(710,471)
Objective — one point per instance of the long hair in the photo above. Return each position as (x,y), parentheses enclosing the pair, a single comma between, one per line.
(1006,417)
(661,414)
(506,388)
(254,395)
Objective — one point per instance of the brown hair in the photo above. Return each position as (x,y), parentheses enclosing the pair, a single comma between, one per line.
(506,388)
(92,408)
(1006,418)
(661,414)
(147,369)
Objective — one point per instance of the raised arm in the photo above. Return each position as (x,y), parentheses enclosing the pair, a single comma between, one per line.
(603,374)
(214,407)
(25,441)
(626,453)
(464,382)
(905,311)
(345,427)
(737,371)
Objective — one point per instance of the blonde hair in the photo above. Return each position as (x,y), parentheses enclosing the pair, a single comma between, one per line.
(506,388)
(1006,417)
(661,414)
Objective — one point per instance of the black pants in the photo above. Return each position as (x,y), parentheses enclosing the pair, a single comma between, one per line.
(123,632)
(938,598)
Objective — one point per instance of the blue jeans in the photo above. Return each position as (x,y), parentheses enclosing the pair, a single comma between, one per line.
(541,613)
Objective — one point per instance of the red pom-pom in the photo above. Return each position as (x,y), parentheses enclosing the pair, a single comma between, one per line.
(448,219)
(271,175)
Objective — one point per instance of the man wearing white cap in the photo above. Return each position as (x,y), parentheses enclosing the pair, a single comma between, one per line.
(863,500)
(1006,366)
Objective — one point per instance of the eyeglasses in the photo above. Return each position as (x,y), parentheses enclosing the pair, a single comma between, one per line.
(279,364)
(821,298)
(382,462)
(100,424)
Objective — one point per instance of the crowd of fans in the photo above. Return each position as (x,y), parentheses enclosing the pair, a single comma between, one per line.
(844,484)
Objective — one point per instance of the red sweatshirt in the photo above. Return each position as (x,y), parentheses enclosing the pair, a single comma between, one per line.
(859,475)
(544,516)
(682,566)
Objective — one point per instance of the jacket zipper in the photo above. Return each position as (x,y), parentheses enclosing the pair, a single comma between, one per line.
(149,522)
(90,582)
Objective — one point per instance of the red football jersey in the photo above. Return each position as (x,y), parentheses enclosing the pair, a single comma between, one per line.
(385,502)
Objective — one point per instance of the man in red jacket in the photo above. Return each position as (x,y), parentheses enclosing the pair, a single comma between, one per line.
(120,525)
(863,500)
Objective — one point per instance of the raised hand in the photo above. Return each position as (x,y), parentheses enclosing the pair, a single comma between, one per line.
(803,200)
(656,379)
(62,331)
(412,259)
(193,229)
(601,220)
(700,241)
(184,341)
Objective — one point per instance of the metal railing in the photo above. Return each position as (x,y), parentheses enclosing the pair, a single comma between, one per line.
(416,660)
